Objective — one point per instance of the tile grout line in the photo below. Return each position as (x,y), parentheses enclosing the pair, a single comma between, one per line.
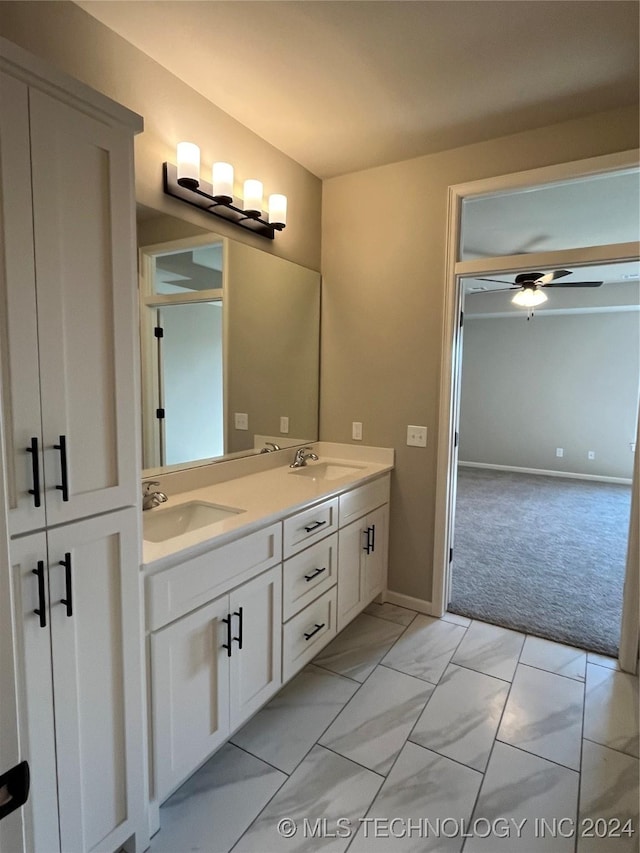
(584,711)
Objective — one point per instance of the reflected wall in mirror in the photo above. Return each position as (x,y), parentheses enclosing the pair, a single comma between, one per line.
(230,339)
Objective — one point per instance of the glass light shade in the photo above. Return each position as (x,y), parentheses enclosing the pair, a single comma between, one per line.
(188,157)
(529,298)
(252,199)
(222,181)
(278,209)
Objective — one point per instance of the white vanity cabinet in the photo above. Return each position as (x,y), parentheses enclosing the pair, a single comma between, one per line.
(362,547)
(68,334)
(213,667)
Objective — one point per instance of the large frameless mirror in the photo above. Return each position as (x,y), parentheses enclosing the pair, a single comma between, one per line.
(230,347)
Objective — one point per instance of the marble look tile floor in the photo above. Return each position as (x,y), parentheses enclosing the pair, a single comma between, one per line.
(411,733)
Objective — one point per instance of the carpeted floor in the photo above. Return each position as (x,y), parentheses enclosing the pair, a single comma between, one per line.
(540,554)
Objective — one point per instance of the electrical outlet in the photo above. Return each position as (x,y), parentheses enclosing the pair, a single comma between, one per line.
(416,436)
(591,454)
(284,425)
(559,452)
(241,420)
(356,431)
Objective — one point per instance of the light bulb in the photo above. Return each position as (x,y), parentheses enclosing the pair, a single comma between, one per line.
(222,181)
(188,157)
(278,210)
(252,200)
(529,297)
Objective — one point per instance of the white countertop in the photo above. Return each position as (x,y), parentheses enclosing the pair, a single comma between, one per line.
(264,497)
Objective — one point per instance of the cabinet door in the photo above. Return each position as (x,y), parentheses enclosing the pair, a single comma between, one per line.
(32,643)
(18,324)
(96,650)
(351,543)
(85,283)
(374,569)
(190,690)
(256,668)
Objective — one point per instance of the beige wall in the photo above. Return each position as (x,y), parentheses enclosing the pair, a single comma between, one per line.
(76,43)
(567,381)
(383,253)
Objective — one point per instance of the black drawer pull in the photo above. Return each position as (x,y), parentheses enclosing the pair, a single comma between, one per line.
(314,526)
(315,631)
(238,639)
(35,470)
(62,447)
(227,645)
(68,601)
(315,573)
(373,537)
(42,604)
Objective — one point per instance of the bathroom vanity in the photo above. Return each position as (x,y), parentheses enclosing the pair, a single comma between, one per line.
(235,608)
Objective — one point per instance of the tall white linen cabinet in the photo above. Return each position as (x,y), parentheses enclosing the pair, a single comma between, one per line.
(70,460)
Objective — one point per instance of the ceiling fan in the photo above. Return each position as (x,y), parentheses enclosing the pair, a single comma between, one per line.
(528,286)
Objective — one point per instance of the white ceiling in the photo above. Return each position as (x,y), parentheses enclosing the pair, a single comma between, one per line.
(343,86)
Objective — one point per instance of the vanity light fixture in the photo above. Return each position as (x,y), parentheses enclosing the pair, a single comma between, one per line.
(183,181)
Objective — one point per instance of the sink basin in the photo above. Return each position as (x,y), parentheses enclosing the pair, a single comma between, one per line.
(161,524)
(326,471)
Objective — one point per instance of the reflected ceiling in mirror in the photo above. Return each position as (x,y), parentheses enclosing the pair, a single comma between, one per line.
(230,340)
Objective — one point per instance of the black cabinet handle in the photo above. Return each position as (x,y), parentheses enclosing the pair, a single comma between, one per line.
(315,573)
(373,537)
(68,601)
(64,486)
(367,545)
(35,471)
(314,526)
(315,631)
(238,639)
(42,604)
(227,645)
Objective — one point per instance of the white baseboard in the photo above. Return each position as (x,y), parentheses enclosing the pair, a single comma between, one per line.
(597,477)
(409,601)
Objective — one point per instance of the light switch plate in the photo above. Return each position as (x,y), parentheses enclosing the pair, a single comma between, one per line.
(356,431)
(241,420)
(416,436)
(284,425)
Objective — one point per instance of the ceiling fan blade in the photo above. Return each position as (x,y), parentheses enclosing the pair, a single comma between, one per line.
(492,290)
(552,276)
(574,284)
(496,280)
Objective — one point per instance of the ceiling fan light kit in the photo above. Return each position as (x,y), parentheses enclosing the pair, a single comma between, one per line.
(529,297)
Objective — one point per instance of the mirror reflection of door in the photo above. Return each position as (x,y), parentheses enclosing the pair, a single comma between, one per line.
(183,343)
(190,382)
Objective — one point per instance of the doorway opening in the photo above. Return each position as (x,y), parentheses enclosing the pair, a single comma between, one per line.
(547,425)
(501,257)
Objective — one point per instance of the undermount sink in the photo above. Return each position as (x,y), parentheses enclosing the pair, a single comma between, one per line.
(326,471)
(161,524)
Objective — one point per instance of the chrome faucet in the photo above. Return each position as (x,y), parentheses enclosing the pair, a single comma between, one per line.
(301,457)
(151,496)
(270,446)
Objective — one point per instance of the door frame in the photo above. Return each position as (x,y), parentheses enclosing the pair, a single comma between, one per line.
(449,396)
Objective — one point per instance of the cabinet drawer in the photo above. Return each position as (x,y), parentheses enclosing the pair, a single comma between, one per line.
(308,575)
(180,589)
(302,639)
(309,526)
(362,500)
